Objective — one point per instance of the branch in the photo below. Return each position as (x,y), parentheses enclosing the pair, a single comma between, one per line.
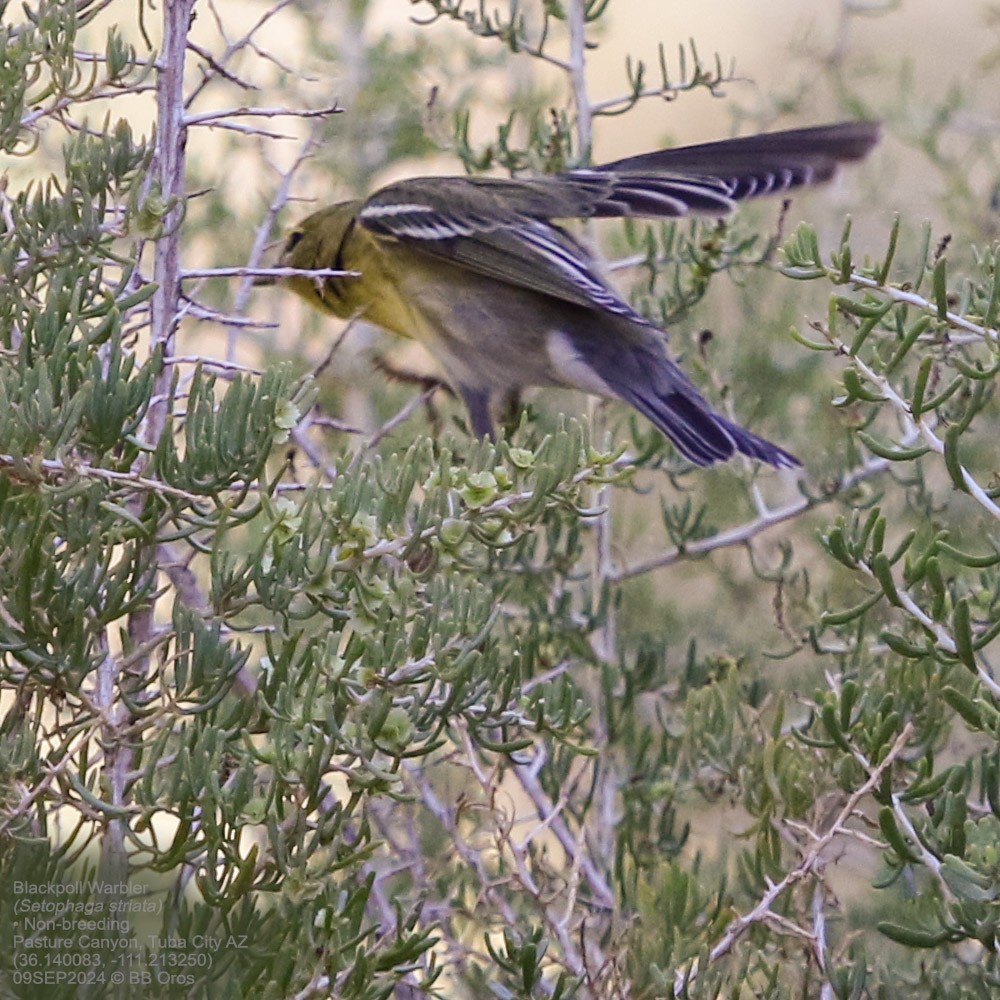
(738,927)
(219,117)
(925,427)
(942,636)
(218,65)
(19,469)
(200,273)
(550,816)
(912,299)
(743,533)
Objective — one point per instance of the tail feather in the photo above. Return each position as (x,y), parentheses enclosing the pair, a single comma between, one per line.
(760,448)
(694,433)
(631,362)
(701,435)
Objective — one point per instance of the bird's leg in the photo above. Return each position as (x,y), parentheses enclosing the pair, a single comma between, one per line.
(477,402)
(510,411)
(425,382)
(404,376)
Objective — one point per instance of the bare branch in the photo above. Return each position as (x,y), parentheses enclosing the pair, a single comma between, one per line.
(813,858)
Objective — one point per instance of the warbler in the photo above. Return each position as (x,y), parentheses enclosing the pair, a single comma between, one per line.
(504,298)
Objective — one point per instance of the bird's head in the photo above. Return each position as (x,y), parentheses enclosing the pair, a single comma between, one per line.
(313,244)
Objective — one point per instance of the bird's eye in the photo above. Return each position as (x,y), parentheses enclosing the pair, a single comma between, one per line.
(293,241)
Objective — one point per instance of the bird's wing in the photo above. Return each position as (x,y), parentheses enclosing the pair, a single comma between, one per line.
(499,229)
(746,167)
(502,228)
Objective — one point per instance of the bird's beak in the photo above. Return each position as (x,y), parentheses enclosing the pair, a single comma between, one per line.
(270,257)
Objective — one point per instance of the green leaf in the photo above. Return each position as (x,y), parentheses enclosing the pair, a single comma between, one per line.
(967,883)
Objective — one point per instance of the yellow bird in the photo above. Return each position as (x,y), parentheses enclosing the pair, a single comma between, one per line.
(475,269)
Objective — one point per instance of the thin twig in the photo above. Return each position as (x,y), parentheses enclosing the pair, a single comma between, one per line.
(741,924)
(743,533)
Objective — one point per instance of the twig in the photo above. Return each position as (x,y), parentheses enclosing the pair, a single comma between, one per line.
(924,426)
(199,273)
(741,924)
(745,532)
(913,299)
(219,117)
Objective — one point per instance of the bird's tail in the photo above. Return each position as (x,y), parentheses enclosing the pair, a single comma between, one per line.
(632,364)
(701,435)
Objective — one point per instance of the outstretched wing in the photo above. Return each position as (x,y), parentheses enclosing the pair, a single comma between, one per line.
(488,229)
(502,228)
(747,167)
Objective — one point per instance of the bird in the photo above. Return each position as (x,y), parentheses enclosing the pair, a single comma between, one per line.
(479,271)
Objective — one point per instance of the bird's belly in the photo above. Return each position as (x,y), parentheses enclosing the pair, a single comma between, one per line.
(497,338)
(494,341)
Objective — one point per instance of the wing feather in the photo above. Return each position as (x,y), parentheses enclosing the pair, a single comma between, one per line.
(502,228)
(465,223)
